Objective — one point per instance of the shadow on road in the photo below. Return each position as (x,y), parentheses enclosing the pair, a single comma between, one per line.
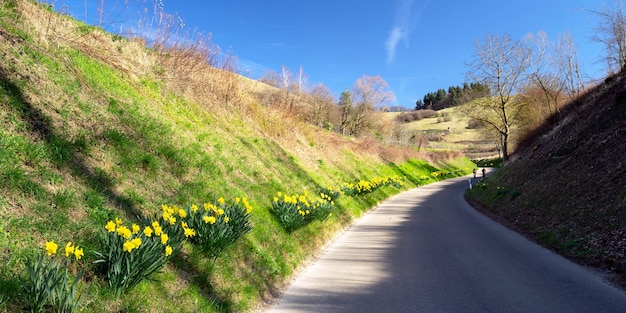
(427,250)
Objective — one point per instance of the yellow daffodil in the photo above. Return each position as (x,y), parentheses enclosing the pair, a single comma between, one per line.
(135,228)
(237,200)
(226,219)
(194,208)
(110,226)
(69,249)
(247,205)
(219,212)
(172,220)
(137,242)
(209,219)
(168,250)
(158,230)
(184,224)
(169,210)
(189,232)
(164,238)
(128,246)
(124,232)
(221,200)
(182,213)
(118,221)
(147,231)
(51,247)
(78,253)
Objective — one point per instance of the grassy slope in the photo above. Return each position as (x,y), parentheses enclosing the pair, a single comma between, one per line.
(455,134)
(83,142)
(566,189)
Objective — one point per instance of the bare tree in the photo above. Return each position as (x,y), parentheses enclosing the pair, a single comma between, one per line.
(286,77)
(542,74)
(369,93)
(568,65)
(286,86)
(321,100)
(500,63)
(301,81)
(271,78)
(372,91)
(611,32)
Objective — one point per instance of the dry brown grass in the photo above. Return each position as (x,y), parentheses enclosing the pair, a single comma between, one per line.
(61,31)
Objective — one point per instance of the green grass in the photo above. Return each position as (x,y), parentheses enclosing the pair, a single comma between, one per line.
(451,125)
(85,143)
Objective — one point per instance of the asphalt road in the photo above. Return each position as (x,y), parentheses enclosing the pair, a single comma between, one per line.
(427,250)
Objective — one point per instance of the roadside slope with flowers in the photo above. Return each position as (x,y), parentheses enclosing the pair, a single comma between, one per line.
(97,150)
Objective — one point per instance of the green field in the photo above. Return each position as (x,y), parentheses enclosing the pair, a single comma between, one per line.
(449,131)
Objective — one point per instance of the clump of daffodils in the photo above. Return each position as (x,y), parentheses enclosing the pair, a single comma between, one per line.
(332,191)
(131,252)
(295,211)
(218,224)
(48,284)
(362,187)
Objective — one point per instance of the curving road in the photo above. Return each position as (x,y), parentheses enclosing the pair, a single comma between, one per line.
(427,250)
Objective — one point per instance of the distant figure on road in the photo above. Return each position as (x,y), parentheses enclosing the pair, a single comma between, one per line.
(483,172)
(474,172)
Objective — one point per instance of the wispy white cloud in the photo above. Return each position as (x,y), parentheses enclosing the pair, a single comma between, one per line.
(401,28)
(397,34)
(403,24)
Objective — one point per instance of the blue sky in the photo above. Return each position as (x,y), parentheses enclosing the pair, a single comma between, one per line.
(417,46)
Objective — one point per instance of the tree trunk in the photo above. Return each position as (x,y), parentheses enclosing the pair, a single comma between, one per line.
(505,148)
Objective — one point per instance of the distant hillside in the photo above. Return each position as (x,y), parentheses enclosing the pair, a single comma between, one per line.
(96,127)
(446,129)
(567,188)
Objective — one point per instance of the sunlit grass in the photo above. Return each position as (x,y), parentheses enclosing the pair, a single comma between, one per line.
(453,132)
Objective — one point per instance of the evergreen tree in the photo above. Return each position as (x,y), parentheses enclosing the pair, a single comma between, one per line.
(419,104)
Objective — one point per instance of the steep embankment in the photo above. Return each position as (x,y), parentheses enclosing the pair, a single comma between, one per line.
(96,127)
(567,189)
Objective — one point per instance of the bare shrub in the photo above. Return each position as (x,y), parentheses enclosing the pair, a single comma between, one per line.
(475,124)
(427,113)
(407,117)
(435,137)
